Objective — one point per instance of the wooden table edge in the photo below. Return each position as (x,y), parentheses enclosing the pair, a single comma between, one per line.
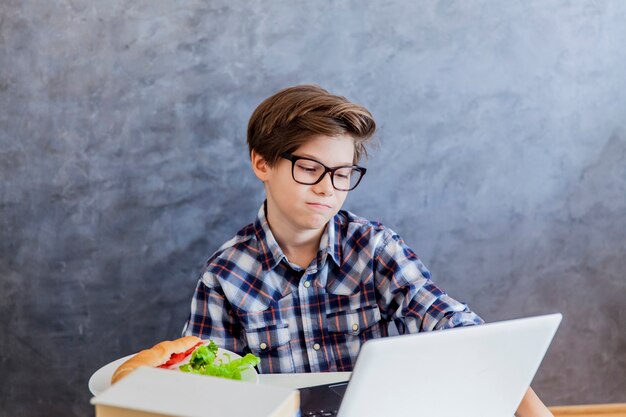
(590,410)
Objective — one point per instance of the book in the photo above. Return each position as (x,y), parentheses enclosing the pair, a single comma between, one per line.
(153,392)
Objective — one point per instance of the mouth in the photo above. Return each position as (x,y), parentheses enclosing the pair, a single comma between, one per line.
(319,206)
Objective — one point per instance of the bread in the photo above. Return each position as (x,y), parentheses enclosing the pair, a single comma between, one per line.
(155,356)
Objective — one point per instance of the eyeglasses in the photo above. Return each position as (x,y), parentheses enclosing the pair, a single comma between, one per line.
(308,171)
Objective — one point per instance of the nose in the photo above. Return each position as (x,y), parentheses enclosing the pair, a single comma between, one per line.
(325,186)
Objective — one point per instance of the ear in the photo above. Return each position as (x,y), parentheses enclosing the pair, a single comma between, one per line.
(260,166)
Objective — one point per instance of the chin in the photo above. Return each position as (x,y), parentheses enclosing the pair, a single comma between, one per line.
(316,223)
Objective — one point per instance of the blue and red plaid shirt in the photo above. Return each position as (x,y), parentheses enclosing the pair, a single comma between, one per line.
(250,298)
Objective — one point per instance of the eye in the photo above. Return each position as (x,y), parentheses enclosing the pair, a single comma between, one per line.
(343,174)
(308,168)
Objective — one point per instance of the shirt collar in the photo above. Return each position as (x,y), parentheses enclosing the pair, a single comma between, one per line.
(331,240)
(270,253)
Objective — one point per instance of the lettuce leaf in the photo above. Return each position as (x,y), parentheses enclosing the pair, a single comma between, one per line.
(203,362)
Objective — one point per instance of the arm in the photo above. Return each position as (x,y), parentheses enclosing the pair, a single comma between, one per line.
(416,304)
(531,406)
(211,316)
(409,297)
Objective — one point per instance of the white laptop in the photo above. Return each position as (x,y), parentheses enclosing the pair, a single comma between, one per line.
(475,371)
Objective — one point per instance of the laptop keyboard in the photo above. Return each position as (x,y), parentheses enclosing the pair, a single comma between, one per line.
(320,413)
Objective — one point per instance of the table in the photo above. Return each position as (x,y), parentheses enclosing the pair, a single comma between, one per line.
(295,381)
(590,410)
(301,380)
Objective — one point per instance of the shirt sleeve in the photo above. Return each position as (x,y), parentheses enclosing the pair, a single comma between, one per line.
(409,297)
(212,317)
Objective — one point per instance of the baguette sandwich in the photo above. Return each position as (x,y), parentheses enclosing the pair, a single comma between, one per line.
(161,355)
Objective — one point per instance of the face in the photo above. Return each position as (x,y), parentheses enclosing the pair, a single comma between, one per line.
(300,207)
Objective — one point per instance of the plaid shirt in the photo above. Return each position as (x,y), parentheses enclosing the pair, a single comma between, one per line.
(250,298)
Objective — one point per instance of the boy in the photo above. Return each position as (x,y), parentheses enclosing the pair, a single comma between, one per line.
(307,283)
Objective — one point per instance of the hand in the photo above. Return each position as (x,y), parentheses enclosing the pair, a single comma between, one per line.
(532,406)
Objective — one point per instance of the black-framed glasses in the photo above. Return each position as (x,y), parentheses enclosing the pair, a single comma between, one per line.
(308,171)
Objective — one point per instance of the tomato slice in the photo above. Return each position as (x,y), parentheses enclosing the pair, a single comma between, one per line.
(178,357)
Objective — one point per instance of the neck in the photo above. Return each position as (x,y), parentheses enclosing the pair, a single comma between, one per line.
(299,247)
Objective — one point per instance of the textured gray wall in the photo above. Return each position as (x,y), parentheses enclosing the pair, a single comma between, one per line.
(123,166)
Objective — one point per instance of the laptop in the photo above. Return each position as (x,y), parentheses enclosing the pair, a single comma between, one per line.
(475,371)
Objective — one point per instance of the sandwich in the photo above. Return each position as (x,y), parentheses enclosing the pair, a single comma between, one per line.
(162,355)
(188,354)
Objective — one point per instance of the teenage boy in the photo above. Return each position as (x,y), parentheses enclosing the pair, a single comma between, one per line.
(306,284)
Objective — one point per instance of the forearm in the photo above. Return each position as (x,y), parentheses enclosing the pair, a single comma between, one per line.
(532,406)
(212,318)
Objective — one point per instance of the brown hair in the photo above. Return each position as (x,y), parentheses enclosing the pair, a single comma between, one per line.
(286,120)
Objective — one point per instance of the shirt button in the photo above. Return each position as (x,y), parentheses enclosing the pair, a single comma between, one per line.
(263,346)
(355,327)
(307,284)
(316,346)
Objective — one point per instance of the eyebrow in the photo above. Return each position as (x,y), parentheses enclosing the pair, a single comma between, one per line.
(343,164)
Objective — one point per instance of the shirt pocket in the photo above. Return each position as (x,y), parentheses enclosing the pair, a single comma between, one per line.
(349,329)
(271,344)
(353,322)
(268,335)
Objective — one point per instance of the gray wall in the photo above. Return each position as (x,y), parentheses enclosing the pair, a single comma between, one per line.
(123,166)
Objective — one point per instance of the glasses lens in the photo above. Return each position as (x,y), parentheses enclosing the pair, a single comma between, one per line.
(310,172)
(307,172)
(346,178)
